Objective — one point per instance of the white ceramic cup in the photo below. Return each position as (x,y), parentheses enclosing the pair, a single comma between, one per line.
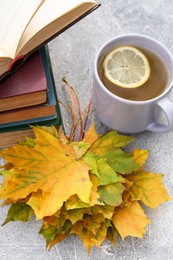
(129,116)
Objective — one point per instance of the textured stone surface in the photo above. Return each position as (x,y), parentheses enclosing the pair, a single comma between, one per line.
(72,56)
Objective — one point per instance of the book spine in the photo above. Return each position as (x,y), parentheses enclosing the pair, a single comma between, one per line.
(45,55)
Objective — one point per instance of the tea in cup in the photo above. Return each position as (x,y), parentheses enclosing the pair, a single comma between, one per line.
(132,75)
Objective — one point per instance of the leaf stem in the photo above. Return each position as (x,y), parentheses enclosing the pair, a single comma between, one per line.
(79,117)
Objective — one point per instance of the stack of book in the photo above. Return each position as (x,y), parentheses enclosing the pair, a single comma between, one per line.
(27,89)
(28,97)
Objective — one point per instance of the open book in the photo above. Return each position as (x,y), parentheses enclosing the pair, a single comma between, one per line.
(25,25)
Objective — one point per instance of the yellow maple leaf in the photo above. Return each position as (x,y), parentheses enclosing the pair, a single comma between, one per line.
(148,187)
(106,210)
(130,221)
(109,142)
(84,234)
(77,214)
(91,229)
(101,234)
(90,188)
(46,171)
(93,222)
(57,221)
(140,156)
(112,235)
(91,135)
(95,198)
(75,203)
(58,238)
(53,235)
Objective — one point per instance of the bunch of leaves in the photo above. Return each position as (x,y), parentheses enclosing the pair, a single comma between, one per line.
(91,188)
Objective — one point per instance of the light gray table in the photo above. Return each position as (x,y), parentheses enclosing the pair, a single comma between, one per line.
(72,56)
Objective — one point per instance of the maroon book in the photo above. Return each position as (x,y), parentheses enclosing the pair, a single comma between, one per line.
(26,87)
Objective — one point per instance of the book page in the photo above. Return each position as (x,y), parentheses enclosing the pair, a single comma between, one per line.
(14,17)
(3,54)
(49,11)
(4,62)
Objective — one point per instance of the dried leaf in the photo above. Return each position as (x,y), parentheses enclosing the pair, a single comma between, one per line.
(121,162)
(93,222)
(56,221)
(46,168)
(80,148)
(90,188)
(75,203)
(85,235)
(111,194)
(75,215)
(106,210)
(108,142)
(92,230)
(95,198)
(54,235)
(140,156)
(130,221)
(49,234)
(58,238)
(112,235)
(107,175)
(91,135)
(101,234)
(148,188)
(19,211)
(91,160)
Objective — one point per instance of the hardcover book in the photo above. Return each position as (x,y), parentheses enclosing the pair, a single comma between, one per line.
(27,87)
(46,110)
(27,25)
(12,131)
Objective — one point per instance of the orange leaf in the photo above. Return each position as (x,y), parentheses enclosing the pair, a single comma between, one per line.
(130,221)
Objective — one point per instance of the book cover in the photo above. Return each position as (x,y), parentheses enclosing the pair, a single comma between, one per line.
(37,22)
(11,133)
(33,113)
(18,90)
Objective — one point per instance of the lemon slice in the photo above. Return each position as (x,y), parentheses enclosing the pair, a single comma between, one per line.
(126,67)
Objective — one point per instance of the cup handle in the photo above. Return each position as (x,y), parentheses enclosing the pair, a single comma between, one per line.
(167,107)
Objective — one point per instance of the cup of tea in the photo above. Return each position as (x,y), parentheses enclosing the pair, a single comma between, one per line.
(133,74)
